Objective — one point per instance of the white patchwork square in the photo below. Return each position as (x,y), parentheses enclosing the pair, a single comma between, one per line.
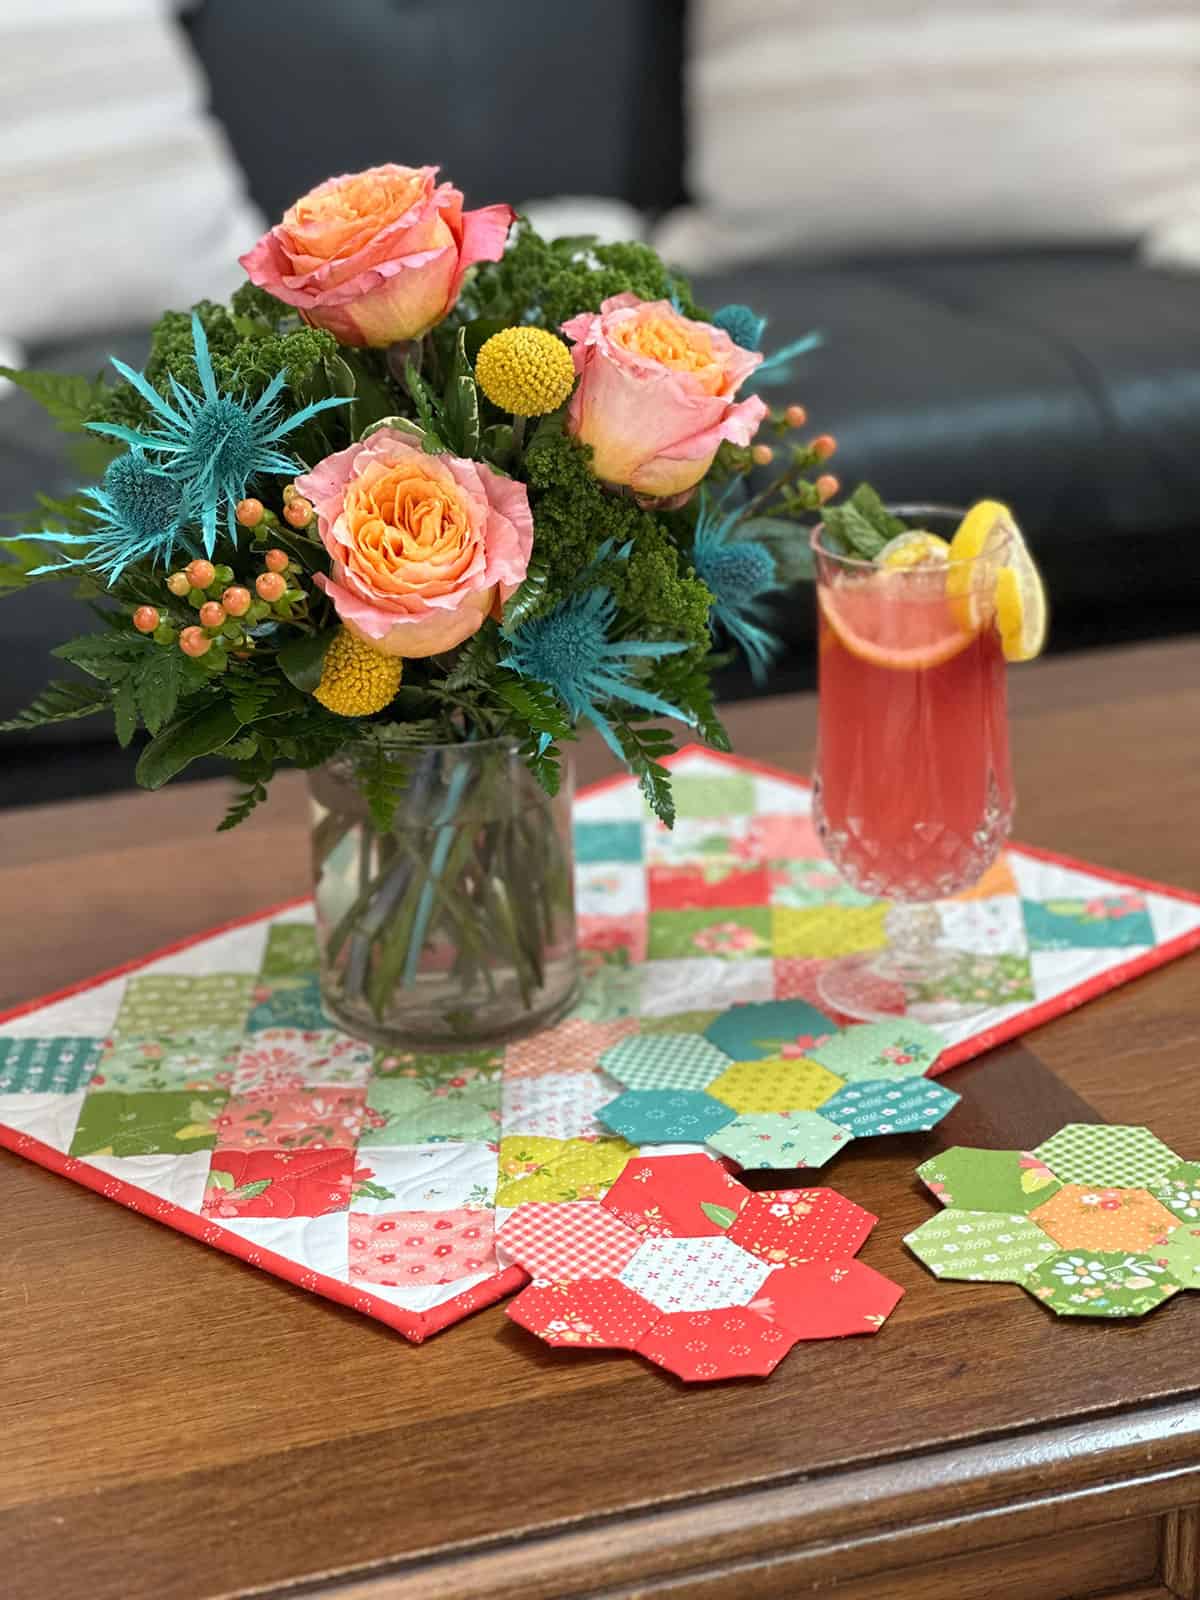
(179,1179)
(620,803)
(1056,971)
(1171,917)
(427,1296)
(558,1105)
(990,927)
(610,889)
(322,1244)
(239,950)
(694,839)
(52,1118)
(425,1177)
(775,795)
(295,1058)
(1046,880)
(706,984)
(89,1014)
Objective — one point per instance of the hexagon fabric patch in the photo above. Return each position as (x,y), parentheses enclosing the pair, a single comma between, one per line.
(597,1314)
(755,1031)
(828,1299)
(705,1346)
(665,1116)
(1077,1283)
(875,1050)
(774,1085)
(780,1139)
(1085,1152)
(988,1180)
(664,1061)
(907,1105)
(1179,1191)
(685,1196)
(787,1226)
(1083,1217)
(582,1240)
(693,1274)
(1179,1253)
(980,1246)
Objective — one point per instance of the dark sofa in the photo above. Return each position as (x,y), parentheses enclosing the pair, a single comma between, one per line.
(1066,382)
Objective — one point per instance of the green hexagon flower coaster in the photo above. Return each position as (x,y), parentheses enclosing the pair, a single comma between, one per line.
(1097,1221)
(775,1084)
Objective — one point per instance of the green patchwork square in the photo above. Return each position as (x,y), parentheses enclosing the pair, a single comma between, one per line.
(291,951)
(734,933)
(974,980)
(47,1066)
(610,989)
(160,1004)
(406,1111)
(731,795)
(441,1067)
(607,841)
(113,1124)
(289,1003)
(203,1059)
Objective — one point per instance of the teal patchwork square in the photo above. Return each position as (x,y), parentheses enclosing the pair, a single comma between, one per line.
(731,795)
(292,1003)
(733,933)
(156,1003)
(47,1066)
(291,951)
(1107,922)
(404,1111)
(147,1124)
(607,841)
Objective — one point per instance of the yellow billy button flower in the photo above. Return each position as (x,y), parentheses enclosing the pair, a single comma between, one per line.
(525,370)
(356,680)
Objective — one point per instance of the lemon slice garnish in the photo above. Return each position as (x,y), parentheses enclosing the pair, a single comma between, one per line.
(916,548)
(988,536)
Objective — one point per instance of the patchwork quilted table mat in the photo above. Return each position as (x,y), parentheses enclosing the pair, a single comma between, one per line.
(204,1087)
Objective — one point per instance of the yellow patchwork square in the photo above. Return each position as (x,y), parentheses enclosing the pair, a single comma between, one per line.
(817,931)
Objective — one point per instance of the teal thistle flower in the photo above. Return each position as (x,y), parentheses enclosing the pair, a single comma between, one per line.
(139,515)
(746,328)
(740,573)
(210,444)
(569,650)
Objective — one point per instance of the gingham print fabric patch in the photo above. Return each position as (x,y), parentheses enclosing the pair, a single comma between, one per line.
(1083,1152)
(581,1239)
(664,1061)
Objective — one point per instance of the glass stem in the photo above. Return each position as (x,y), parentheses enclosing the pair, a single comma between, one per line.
(913,930)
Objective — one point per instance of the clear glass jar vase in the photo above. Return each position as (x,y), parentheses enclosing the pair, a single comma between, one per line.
(454,926)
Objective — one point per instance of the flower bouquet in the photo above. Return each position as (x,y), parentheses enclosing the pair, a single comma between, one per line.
(429,493)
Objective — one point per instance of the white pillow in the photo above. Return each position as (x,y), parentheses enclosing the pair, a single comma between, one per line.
(119,194)
(879,125)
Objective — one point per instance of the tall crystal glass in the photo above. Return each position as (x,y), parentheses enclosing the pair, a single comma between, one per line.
(913,793)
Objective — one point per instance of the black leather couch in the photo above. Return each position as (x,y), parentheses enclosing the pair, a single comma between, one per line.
(1066,382)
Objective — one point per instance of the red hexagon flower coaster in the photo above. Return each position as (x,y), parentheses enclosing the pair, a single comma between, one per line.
(702,1277)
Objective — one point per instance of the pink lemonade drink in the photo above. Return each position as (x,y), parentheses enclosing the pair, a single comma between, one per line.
(914,795)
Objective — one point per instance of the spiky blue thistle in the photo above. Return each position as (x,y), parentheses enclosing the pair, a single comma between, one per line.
(570,651)
(747,329)
(140,514)
(740,573)
(210,444)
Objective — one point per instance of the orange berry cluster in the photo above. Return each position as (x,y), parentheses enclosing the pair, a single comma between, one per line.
(225,609)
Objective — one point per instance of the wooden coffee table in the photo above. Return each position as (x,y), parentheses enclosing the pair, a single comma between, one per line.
(176,1425)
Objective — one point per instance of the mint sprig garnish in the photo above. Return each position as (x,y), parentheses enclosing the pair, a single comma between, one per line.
(861,526)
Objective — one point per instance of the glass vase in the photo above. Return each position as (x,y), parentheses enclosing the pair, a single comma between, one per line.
(454,926)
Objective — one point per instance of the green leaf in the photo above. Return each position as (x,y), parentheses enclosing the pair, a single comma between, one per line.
(124,712)
(529,596)
(383,776)
(59,701)
(644,748)
(248,1191)
(199,732)
(862,525)
(110,656)
(241,808)
(399,424)
(460,403)
(723,1216)
(217,1179)
(157,683)
(427,410)
(68,398)
(301,661)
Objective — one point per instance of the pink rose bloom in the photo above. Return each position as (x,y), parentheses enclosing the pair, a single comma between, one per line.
(423,547)
(376,256)
(655,394)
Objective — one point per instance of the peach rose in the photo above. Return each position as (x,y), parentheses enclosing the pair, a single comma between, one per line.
(655,394)
(376,256)
(423,547)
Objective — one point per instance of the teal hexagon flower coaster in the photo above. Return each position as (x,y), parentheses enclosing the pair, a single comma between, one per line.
(780,1139)
(664,1061)
(904,1105)
(875,1050)
(769,1028)
(665,1116)
(1097,1221)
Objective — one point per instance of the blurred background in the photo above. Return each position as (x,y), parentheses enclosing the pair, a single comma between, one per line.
(989,209)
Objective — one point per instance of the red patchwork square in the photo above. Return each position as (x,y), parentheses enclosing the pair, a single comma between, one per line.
(405,1249)
(293,1119)
(708,883)
(610,935)
(278,1183)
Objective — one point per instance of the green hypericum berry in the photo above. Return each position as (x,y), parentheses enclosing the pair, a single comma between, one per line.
(196,598)
(164,634)
(222,576)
